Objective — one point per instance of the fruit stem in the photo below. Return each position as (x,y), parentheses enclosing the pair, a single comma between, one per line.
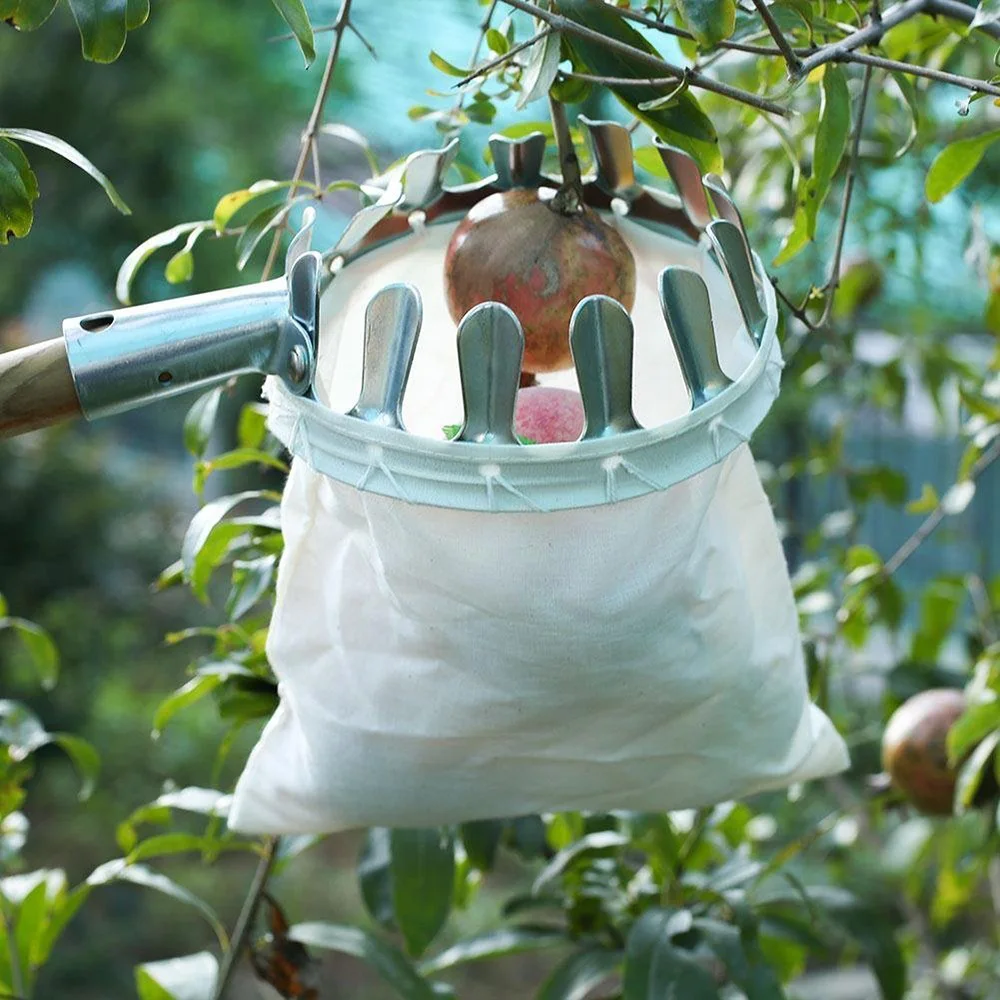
(569,197)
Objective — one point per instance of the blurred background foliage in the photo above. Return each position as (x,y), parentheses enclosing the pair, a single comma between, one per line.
(203,101)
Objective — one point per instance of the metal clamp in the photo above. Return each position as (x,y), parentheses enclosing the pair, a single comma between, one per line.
(128,357)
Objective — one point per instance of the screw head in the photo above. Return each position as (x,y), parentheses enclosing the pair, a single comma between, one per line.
(298,364)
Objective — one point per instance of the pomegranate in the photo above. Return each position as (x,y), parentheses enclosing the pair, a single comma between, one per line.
(514,247)
(915,751)
(545,415)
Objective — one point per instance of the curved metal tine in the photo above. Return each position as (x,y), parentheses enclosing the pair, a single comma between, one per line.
(303,292)
(392,325)
(601,339)
(423,176)
(686,175)
(302,240)
(611,145)
(490,352)
(724,204)
(518,162)
(688,313)
(730,248)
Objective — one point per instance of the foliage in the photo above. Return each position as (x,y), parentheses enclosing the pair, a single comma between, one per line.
(741,898)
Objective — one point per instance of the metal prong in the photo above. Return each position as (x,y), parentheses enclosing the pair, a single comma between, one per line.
(601,340)
(686,175)
(730,248)
(392,323)
(611,144)
(423,176)
(490,351)
(688,312)
(518,162)
(724,203)
(302,240)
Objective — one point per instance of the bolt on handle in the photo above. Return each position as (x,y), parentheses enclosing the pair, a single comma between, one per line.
(392,325)
(688,314)
(490,352)
(601,339)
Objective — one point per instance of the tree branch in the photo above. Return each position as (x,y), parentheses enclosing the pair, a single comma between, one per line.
(694,78)
(506,57)
(569,197)
(792,61)
(484,27)
(958,11)
(312,126)
(244,923)
(845,205)
(966,82)
(936,516)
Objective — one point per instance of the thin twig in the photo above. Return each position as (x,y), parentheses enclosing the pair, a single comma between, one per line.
(961,12)
(694,78)
(792,61)
(244,923)
(936,516)
(569,197)
(312,126)
(484,27)
(966,82)
(852,165)
(505,57)
(356,31)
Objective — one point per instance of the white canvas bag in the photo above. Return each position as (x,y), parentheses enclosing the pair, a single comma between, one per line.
(465,634)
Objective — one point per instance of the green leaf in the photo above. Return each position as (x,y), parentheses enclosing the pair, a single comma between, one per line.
(201,527)
(295,16)
(18,190)
(137,14)
(493,944)
(973,726)
(423,880)
(119,870)
(744,963)
(971,775)
(710,21)
(85,758)
(142,253)
(925,503)
(236,459)
(497,42)
(654,967)
(39,646)
(393,967)
(955,162)
(200,421)
(575,977)
(193,691)
(252,579)
(252,427)
(598,842)
(481,838)
(833,129)
(540,73)
(909,94)
(103,26)
(21,730)
(375,876)
(988,12)
(31,14)
(446,67)
(180,267)
(192,977)
(165,844)
(682,124)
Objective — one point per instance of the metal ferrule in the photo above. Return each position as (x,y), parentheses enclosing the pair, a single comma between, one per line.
(128,357)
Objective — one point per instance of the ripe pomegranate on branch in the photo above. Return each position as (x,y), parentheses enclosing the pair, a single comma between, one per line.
(539,251)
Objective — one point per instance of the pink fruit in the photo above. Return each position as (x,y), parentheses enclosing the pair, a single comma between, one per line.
(545,415)
(514,248)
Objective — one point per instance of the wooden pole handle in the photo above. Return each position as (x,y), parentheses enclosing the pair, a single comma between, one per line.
(36,388)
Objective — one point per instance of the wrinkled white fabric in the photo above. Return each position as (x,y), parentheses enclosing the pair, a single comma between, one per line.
(438,666)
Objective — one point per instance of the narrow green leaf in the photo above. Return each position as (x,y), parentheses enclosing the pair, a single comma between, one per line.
(204,522)
(189,978)
(18,191)
(375,876)
(974,725)
(710,21)
(423,880)
(391,965)
(338,130)
(442,64)
(682,124)
(744,964)
(142,253)
(85,758)
(103,26)
(909,95)
(137,14)
(575,977)
(31,14)
(40,648)
(599,842)
(540,73)
(833,130)
(970,777)
(194,690)
(481,839)
(165,844)
(497,42)
(654,967)
(294,14)
(180,267)
(200,421)
(251,581)
(955,162)
(988,12)
(21,730)
(493,944)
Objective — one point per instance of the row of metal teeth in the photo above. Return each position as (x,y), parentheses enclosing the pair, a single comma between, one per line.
(491,346)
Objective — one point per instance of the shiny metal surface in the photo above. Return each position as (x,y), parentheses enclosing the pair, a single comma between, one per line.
(611,145)
(392,325)
(490,351)
(423,176)
(730,248)
(601,338)
(724,204)
(686,176)
(518,162)
(129,357)
(688,313)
